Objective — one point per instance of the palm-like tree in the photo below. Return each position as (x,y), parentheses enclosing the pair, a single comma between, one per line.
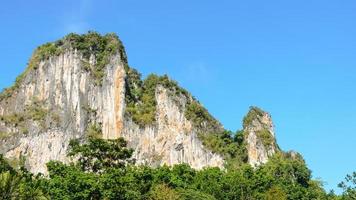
(32,192)
(9,184)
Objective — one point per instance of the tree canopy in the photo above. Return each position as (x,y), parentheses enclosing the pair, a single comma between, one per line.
(104,169)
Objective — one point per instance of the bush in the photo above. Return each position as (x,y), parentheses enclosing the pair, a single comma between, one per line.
(141,95)
(94,130)
(163,192)
(266,137)
(232,148)
(200,116)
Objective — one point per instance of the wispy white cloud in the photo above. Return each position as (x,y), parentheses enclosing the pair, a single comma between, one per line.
(76,19)
(197,71)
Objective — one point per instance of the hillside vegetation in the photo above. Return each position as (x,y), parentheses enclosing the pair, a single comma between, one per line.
(105,170)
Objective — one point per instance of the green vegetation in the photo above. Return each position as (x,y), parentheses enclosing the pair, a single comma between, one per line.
(33,112)
(92,43)
(89,110)
(99,155)
(140,96)
(141,100)
(94,130)
(41,53)
(349,187)
(19,184)
(4,135)
(105,171)
(163,192)
(266,137)
(15,120)
(55,118)
(233,148)
(200,116)
(141,107)
(254,113)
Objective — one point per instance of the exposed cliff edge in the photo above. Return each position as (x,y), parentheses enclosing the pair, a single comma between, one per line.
(260,137)
(82,85)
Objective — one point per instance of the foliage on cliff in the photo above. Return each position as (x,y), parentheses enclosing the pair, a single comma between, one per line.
(141,101)
(140,95)
(141,107)
(254,114)
(230,145)
(34,112)
(102,47)
(281,178)
(200,117)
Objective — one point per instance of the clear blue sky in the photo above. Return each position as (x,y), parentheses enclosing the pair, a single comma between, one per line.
(295,59)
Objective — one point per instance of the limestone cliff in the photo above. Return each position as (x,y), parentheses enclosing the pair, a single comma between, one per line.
(78,84)
(82,85)
(260,137)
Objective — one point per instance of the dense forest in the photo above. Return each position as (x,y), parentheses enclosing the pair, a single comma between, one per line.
(104,169)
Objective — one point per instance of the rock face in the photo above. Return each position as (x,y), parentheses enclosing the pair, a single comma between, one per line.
(60,98)
(259,136)
(173,140)
(64,89)
(82,85)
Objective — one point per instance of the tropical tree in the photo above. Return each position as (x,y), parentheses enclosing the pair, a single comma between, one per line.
(349,187)
(9,186)
(163,192)
(98,154)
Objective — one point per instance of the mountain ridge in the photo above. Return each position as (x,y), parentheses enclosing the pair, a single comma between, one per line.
(82,85)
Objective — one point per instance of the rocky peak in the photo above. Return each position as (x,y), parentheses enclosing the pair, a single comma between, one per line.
(259,136)
(82,86)
(69,87)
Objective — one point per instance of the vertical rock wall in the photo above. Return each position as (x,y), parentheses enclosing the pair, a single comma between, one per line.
(260,138)
(65,89)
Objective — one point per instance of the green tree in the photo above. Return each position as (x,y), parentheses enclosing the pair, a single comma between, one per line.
(349,187)
(276,193)
(30,187)
(71,183)
(9,186)
(163,192)
(5,166)
(99,154)
(188,194)
(210,181)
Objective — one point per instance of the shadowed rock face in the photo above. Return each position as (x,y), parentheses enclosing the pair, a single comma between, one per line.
(259,136)
(59,98)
